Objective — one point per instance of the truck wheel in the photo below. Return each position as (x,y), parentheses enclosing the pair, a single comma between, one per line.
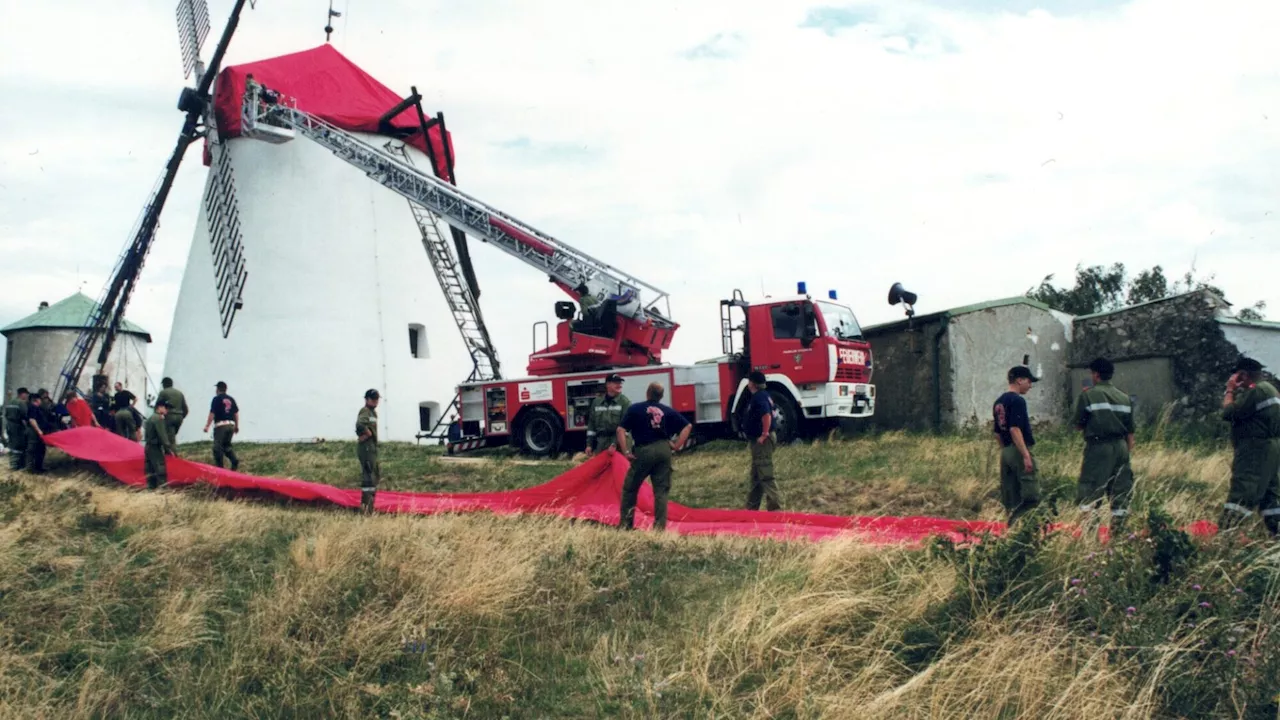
(788,425)
(540,432)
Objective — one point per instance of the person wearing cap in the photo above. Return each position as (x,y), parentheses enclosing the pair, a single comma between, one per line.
(15,421)
(761,439)
(157,444)
(126,423)
(1104,415)
(178,409)
(36,425)
(604,414)
(1019,485)
(651,424)
(224,416)
(1252,406)
(367,449)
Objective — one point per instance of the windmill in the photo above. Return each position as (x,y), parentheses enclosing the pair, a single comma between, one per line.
(219,203)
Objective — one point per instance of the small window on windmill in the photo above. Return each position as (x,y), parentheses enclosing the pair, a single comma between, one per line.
(428,415)
(418,341)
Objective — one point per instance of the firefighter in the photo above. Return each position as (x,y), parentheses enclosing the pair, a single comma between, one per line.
(178,409)
(1019,485)
(159,443)
(651,424)
(1252,406)
(37,424)
(126,424)
(15,425)
(367,450)
(604,414)
(1105,416)
(761,439)
(224,417)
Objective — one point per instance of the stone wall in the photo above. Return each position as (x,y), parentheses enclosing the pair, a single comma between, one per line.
(1184,329)
(902,372)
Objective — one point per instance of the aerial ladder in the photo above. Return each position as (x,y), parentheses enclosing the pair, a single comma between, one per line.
(622,322)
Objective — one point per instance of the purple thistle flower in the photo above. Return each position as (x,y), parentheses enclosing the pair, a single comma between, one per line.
(1131,610)
(1238,590)
(1231,653)
(1196,588)
(1204,604)
(1096,573)
(1075,581)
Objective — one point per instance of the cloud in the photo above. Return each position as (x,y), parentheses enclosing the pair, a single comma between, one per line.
(849,146)
(720,46)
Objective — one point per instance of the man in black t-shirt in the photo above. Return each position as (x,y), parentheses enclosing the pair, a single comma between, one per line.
(224,416)
(760,440)
(1019,486)
(651,424)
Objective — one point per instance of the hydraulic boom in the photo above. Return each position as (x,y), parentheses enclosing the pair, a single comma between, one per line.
(621,325)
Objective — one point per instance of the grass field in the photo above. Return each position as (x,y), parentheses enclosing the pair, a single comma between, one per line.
(123,603)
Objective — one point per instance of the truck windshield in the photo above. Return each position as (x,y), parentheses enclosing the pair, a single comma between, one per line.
(841,324)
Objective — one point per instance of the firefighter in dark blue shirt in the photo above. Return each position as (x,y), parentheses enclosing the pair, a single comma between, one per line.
(651,424)
(761,439)
(1019,486)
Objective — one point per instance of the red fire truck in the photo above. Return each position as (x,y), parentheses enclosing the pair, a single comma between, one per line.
(811,351)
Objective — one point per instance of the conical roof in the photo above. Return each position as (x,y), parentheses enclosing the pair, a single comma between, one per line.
(326,84)
(72,313)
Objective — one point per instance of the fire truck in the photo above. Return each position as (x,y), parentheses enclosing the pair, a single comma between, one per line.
(811,351)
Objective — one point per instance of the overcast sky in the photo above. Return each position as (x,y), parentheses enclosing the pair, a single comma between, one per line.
(965,147)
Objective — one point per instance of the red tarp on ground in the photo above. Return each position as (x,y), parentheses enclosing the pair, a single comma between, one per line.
(590,491)
(329,86)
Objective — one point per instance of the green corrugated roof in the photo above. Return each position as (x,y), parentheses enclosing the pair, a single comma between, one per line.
(962,310)
(72,313)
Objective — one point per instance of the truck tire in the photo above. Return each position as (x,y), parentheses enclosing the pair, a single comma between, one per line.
(541,431)
(788,426)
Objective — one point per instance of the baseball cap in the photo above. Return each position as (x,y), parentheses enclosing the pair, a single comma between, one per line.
(221,385)
(757,377)
(1021,371)
(371,393)
(1248,365)
(614,377)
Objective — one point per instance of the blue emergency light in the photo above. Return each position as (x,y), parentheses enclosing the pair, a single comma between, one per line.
(800,289)
(831,294)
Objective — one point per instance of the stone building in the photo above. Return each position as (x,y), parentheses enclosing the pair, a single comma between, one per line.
(39,344)
(1174,354)
(945,369)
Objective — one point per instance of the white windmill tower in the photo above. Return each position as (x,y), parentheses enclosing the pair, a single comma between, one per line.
(342,298)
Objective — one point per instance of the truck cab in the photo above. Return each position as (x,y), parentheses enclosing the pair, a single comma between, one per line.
(812,353)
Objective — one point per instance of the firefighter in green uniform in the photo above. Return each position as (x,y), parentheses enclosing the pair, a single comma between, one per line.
(1105,416)
(1252,406)
(15,426)
(604,414)
(177,407)
(159,443)
(367,450)
(651,424)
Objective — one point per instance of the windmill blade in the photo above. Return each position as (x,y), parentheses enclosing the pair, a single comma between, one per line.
(225,242)
(193,27)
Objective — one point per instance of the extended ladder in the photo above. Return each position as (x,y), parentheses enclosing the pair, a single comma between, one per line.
(463,305)
(277,123)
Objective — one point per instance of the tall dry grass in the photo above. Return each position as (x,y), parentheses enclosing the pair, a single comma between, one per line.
(125,603)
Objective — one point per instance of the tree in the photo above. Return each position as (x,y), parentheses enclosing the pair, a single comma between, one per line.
(1102,289)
